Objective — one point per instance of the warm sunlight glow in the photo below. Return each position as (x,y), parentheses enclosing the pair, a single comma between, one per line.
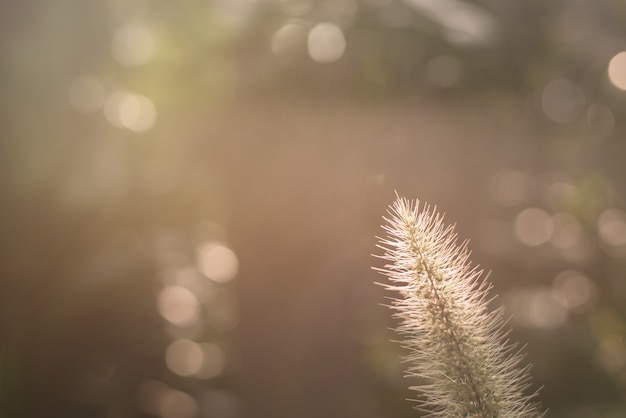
(133,45)
(617,70)
(131,111)
(178,305)
(216,261)
(326,43)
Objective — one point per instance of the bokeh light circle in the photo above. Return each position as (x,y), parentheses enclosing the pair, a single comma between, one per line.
(217,262)
(178,305)
(287,37)
(131,111)
(534,226)
(617,70)
(573,290)
(326,43)
(184,357)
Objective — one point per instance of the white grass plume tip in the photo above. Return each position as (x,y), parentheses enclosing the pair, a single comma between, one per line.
(456,346)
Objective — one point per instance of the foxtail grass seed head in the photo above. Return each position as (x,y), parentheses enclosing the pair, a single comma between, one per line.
(456,346)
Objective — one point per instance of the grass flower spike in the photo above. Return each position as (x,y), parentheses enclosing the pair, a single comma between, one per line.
(456,346)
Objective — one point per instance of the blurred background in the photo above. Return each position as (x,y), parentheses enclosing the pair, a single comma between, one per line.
(191,192)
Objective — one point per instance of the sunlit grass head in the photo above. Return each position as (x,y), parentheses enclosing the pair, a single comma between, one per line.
(455,344)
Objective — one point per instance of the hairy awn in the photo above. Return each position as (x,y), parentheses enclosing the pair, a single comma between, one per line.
(456,346)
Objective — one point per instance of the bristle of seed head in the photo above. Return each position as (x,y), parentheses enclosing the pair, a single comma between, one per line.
(455,344)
